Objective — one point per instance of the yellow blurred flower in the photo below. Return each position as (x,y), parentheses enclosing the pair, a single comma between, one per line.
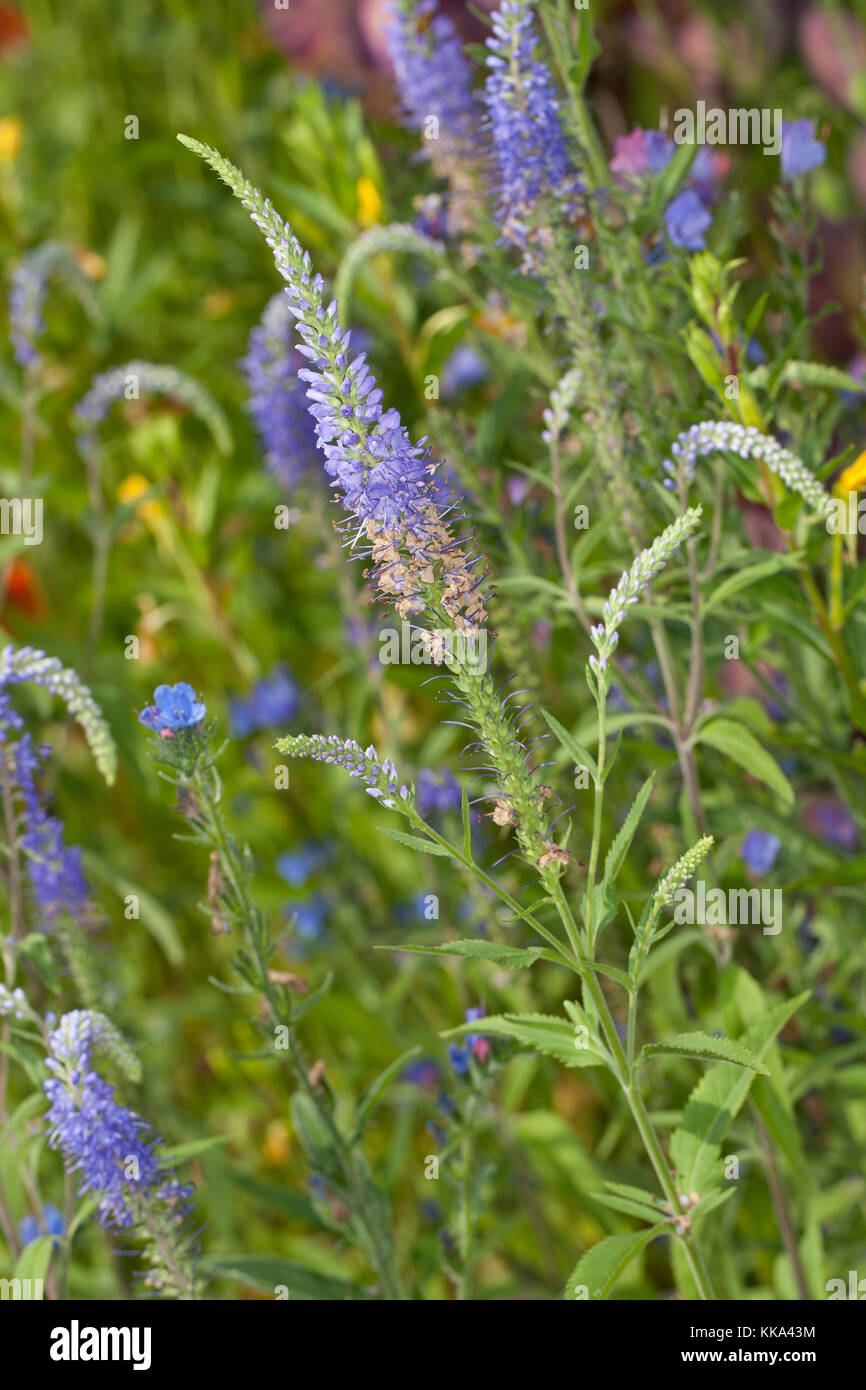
(217,303)
(276,1145)
(135,486)
(853,477)
(10,137)
(369,201)
(93,265)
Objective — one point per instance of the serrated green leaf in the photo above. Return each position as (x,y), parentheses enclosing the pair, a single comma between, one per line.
(626,833)
(476,948)
(414,841)
(598,1270)
(538,1032)
(703,1046)
(811,374)
(716,1101)
(630,1208)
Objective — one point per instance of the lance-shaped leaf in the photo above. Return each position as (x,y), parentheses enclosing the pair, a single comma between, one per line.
(538,1033)
(716,1101)
(598,1270)
(580,756)
(508,957)
(740,745)
(626,833)
(704,1047)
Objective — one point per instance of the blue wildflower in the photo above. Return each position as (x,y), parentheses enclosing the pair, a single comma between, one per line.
(308,918)
(174,707)
(437,793)
(801,150)
(687,220)
(30,1228)
(458,1056)
(423,1072)
(759,850)
(461,371)
(273,701)
(297,866)
(278,400)
(536,181)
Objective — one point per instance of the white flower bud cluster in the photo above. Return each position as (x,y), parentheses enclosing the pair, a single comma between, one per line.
(633,582)
(668,887)
(724,436)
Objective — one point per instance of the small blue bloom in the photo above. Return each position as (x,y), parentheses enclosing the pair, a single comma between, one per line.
(309,917)
(424,1073)
(687,221)
(436,793)
(801,150)
(298,866)
(459,1058)
(659,150)
(759,850)
(30,1229)
(174,707)
(273,701)
(461,371)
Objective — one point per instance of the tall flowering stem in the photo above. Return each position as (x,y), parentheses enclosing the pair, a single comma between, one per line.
(536,183)
(434,80)
(386,484)
(184,745)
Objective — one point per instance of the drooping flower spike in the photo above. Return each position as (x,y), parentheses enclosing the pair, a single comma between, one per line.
(721,436)
(19,664)
(27,291)
(132,380)
(379,775)
(100,1140)
(54,868)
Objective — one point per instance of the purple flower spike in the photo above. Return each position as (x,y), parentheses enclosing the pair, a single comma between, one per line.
(535,178)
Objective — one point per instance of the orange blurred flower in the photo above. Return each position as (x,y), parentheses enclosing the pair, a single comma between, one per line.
(22,590)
